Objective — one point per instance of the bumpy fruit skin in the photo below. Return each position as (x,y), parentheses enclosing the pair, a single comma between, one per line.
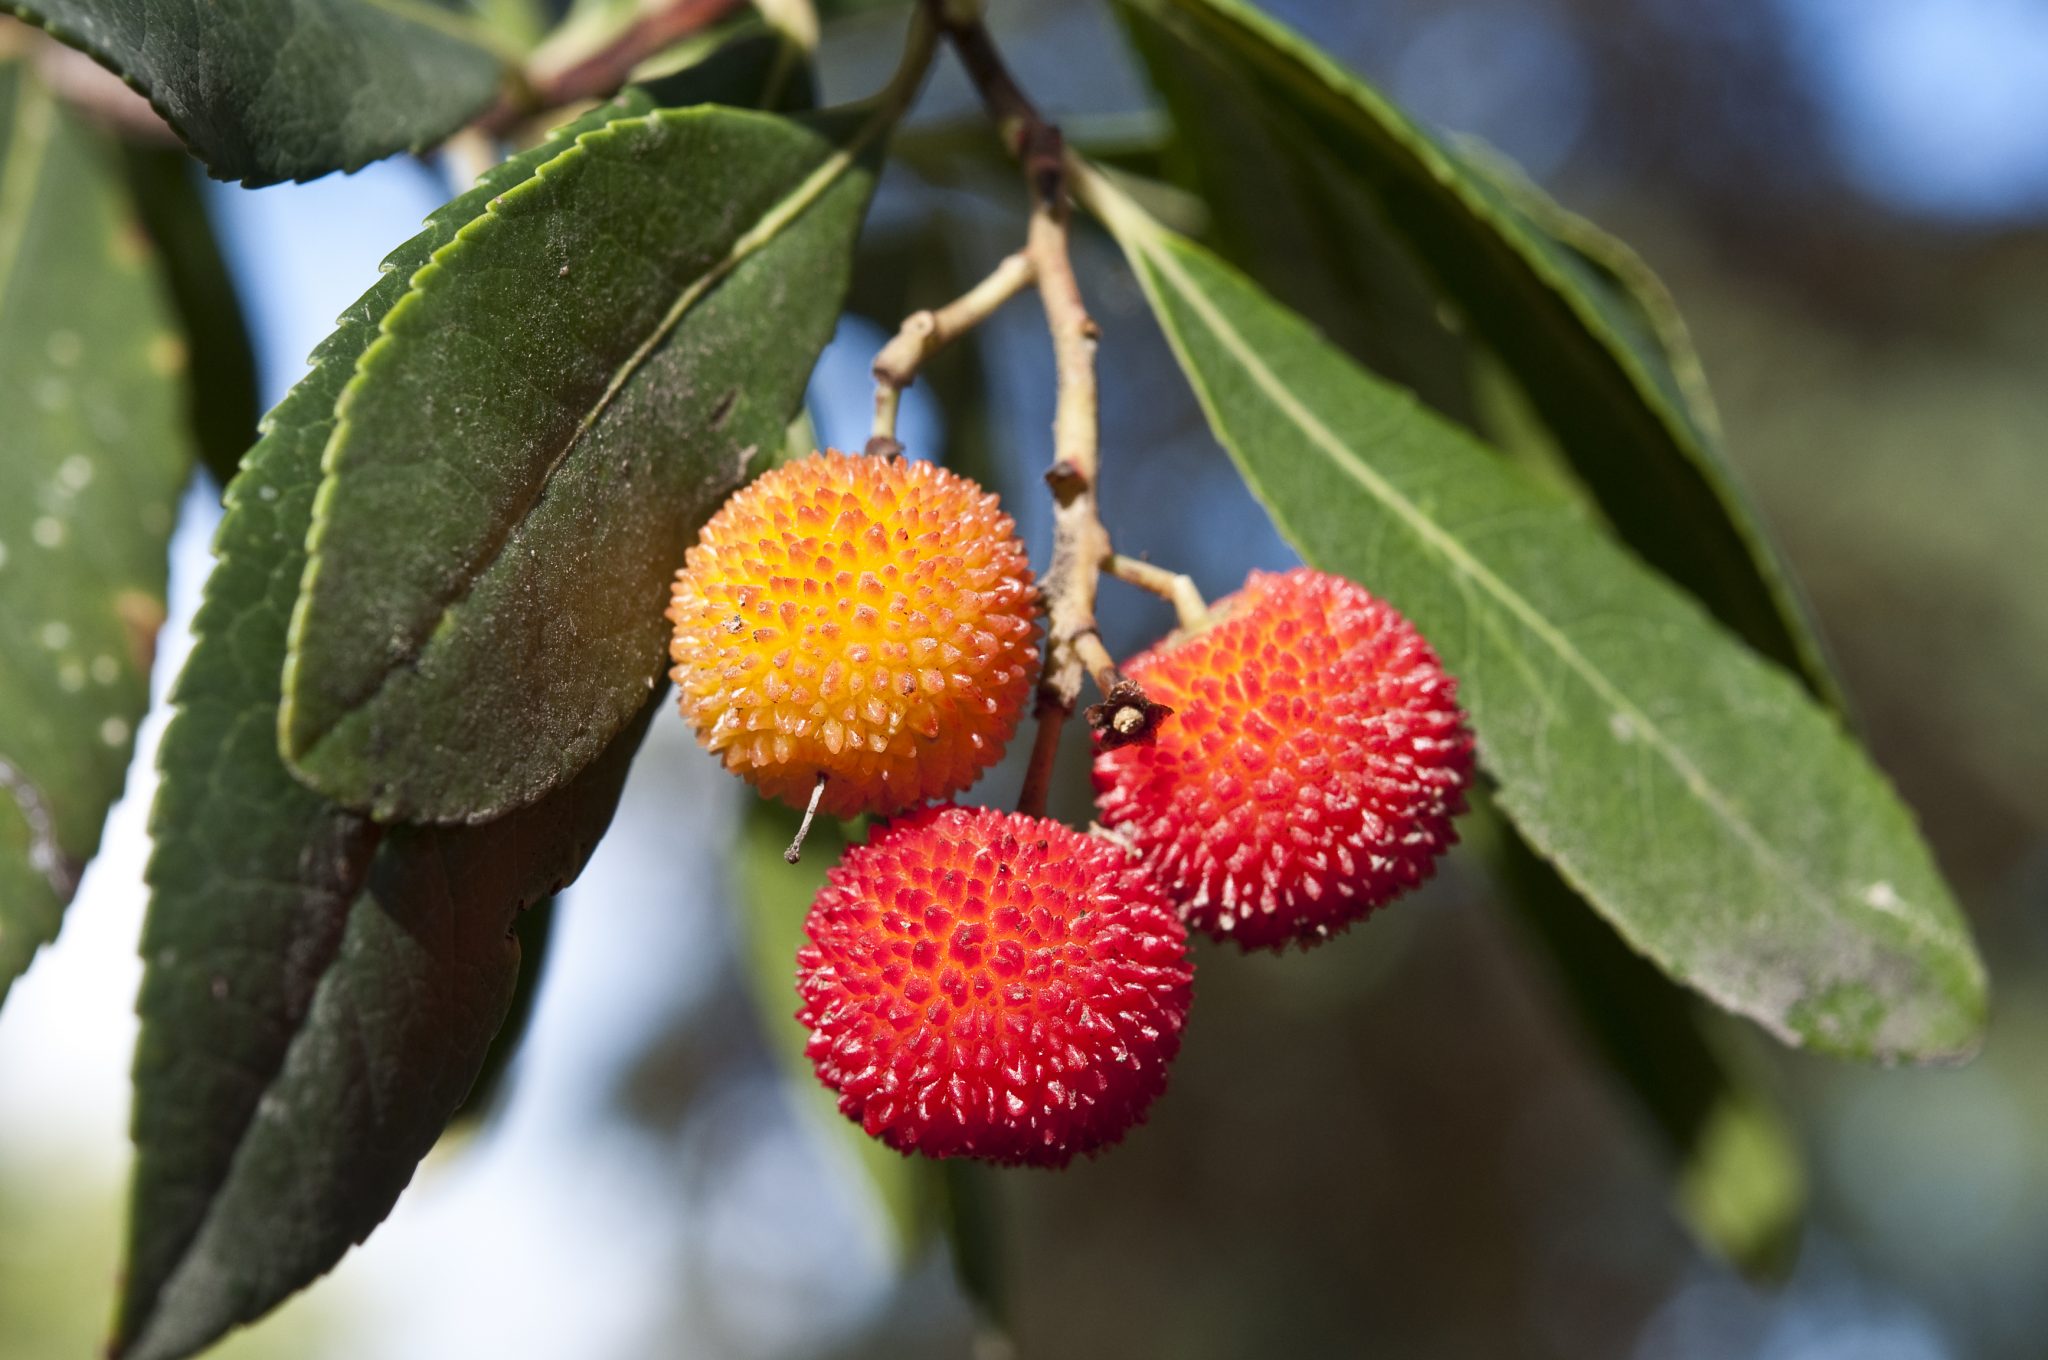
(870,619)
(1315,759)
(987,984)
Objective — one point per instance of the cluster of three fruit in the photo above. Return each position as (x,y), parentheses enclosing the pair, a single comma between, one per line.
(862,633)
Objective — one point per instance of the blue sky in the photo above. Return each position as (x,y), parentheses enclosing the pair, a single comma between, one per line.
(1935,107)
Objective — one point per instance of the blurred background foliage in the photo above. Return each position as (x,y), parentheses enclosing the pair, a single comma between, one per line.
(1401,1144)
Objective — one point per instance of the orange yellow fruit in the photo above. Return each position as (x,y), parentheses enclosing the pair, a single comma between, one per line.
(869,619)
(1310,771)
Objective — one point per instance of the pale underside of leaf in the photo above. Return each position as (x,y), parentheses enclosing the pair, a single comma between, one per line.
(1619,721)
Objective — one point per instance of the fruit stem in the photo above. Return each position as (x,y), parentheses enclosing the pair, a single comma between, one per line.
(796,846)
(1080,542)
(1179,590)
(925,333)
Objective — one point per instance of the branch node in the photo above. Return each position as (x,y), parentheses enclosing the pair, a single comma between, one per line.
(1066,480)
(1045,163)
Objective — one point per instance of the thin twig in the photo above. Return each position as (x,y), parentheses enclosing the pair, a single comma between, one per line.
(925,333)
(1080,542)
(1172,586)
(599,74)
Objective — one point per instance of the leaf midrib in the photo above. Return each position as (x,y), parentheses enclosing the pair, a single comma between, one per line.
(772,223)
(1526,613)
(1685,417)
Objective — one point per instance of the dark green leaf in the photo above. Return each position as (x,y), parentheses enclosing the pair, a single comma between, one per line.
(222,398)
(1741,1186)
(1288,144)
(541,425)
(1692,792)
(745,64)
(1295,218)
(265,899)
(409,994)
(535,932)
(269,90)
(774,898)
(974,1233)
(93,452)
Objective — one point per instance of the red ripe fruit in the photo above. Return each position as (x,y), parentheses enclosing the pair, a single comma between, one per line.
(987,984)
(1310,771)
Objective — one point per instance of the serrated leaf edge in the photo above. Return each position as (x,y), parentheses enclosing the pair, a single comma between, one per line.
(449,25)
(301,747)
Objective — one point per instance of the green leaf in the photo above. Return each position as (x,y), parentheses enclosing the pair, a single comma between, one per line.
(93,453)
(1298,220)
(1288,146)
(744,64)
(535,932)
(418,977)
(774,898)
(567,390)
(269,90)
(222,403)
(1740,1182)
(516,24)
(1689,790)
(272,914)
